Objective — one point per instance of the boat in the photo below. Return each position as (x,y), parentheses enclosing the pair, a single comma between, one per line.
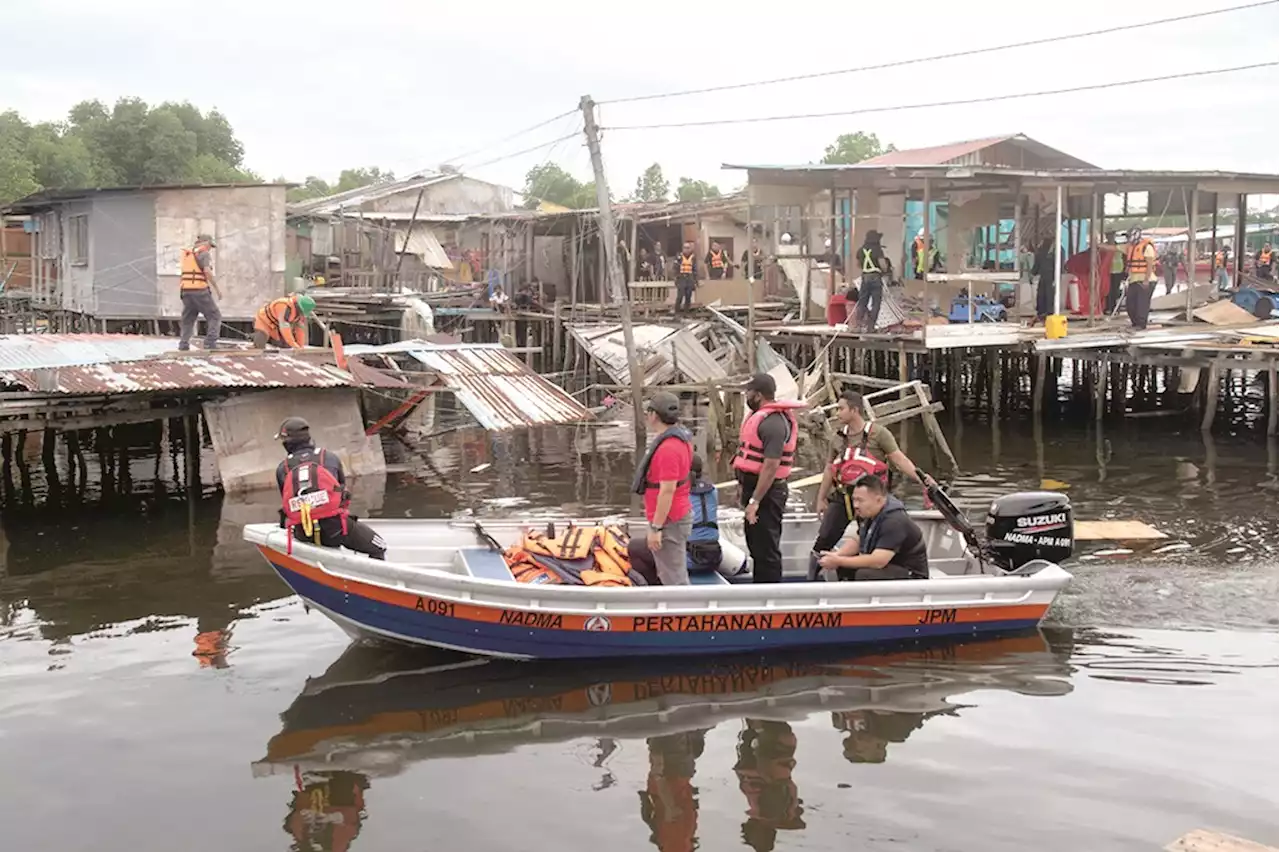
(445,584)
(378,710)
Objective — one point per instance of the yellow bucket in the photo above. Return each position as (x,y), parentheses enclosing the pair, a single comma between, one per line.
(1055,326)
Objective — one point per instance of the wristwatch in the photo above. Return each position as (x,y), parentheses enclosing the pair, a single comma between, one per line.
(752,500)
(653,528)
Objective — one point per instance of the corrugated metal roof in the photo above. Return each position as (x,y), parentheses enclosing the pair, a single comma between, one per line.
(499,389)
(934,155)
(192,372)
(30,351)
(422,242)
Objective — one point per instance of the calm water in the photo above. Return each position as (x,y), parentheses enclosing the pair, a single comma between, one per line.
(159,690)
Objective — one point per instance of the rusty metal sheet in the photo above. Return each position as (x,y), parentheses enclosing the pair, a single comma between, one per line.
(30,351)
(192,372)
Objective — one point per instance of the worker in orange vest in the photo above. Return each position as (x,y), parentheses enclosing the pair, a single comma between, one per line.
(1264,263)
(716,262)
(198,289)
(1140,260)
(283,322)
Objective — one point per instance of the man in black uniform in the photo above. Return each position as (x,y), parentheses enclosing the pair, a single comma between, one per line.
(873,266)
(889,547)
(766,452)
(342,529)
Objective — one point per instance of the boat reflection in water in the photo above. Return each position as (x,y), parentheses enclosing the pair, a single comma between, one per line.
(377,710)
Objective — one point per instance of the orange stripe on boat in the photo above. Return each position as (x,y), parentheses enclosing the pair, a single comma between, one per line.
(702,622)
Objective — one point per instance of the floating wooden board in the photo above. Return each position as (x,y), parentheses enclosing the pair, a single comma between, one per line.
(1223,312)
(1116,531)
(1201,840)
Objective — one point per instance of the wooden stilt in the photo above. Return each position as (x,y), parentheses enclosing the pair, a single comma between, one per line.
(6,450)
(1037,391)
(1100,389)
(1273,379)
(996,375)
(1211,397)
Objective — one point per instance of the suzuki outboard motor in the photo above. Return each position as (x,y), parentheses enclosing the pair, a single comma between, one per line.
(1029,525)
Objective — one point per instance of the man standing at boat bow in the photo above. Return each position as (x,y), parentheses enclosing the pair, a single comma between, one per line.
(663,480)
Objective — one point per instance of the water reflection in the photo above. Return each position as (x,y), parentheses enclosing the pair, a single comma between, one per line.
(376,711)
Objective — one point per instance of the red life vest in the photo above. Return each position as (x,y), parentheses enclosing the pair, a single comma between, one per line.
(309,483)
(856,462)
(750,455)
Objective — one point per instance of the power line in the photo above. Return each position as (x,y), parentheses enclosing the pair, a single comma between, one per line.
(519,133)
(938,57)
(528,150)
(963,102)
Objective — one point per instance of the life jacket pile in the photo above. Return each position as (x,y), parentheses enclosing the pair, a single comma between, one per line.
(579,556)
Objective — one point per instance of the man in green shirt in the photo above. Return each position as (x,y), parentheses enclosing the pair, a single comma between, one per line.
(872,445)
(1117,275)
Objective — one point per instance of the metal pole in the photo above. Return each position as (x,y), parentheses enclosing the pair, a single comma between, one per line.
(751,295)
(924,279)
(1095,233)
(1057,257)
(609,237)
(1242,212)
(417,205)
(1193,221)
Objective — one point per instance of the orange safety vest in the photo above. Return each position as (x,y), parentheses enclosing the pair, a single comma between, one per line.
(686,264)
(750,455)
(193,277)
(717,259)
(1264,259)
(1221,259)
(1137,258)
(267,319)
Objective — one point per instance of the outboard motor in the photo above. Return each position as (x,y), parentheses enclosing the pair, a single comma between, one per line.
(1021,528)
(1030,525)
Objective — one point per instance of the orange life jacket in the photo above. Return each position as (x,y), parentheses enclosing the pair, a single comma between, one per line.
(1221,259)
(750,455)
(586,556)
(1137,258)
(717,259)
(686,264)
(1264,259)
(193,277)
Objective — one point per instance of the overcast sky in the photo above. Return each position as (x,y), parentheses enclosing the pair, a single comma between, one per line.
(315,87)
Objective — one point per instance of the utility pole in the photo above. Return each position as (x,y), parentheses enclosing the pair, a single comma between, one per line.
(609,237)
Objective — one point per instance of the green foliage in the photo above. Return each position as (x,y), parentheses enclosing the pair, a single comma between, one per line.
(854,148)
(651,185)
(549,182)
(315,187)
(696,190)
(130,143)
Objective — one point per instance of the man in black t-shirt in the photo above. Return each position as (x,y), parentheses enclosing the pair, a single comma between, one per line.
(889,547)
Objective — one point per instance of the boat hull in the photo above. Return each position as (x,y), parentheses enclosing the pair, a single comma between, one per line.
(453,612)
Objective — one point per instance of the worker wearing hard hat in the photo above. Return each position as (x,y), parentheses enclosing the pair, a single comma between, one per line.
(1140,261)
(283,322)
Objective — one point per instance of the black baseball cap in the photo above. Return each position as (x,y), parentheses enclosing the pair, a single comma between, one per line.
(664,404)
(293,427)
(762,383)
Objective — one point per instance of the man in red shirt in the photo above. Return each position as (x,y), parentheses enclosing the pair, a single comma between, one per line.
(663,479)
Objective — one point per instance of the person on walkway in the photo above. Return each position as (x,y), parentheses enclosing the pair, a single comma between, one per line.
(1222,267)
(766,453)
(1264,265)
(918,256)
(753,262)
(1140,260)
(659,261)
(1169,259)
(1117,276)
(199,289)
(875,268)
(861,448)
(889,545)
(686,278)
(1045,272)
(283,322)
(717,262)
(663,480)
(313,492)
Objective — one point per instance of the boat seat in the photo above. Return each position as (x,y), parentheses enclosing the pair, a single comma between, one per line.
(483,562)
(707,578)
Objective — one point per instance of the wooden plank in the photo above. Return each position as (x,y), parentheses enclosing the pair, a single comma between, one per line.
(1224,312)
(1202,840)
(1116,531)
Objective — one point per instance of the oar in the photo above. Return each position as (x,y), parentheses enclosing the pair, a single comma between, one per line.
(799,483)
